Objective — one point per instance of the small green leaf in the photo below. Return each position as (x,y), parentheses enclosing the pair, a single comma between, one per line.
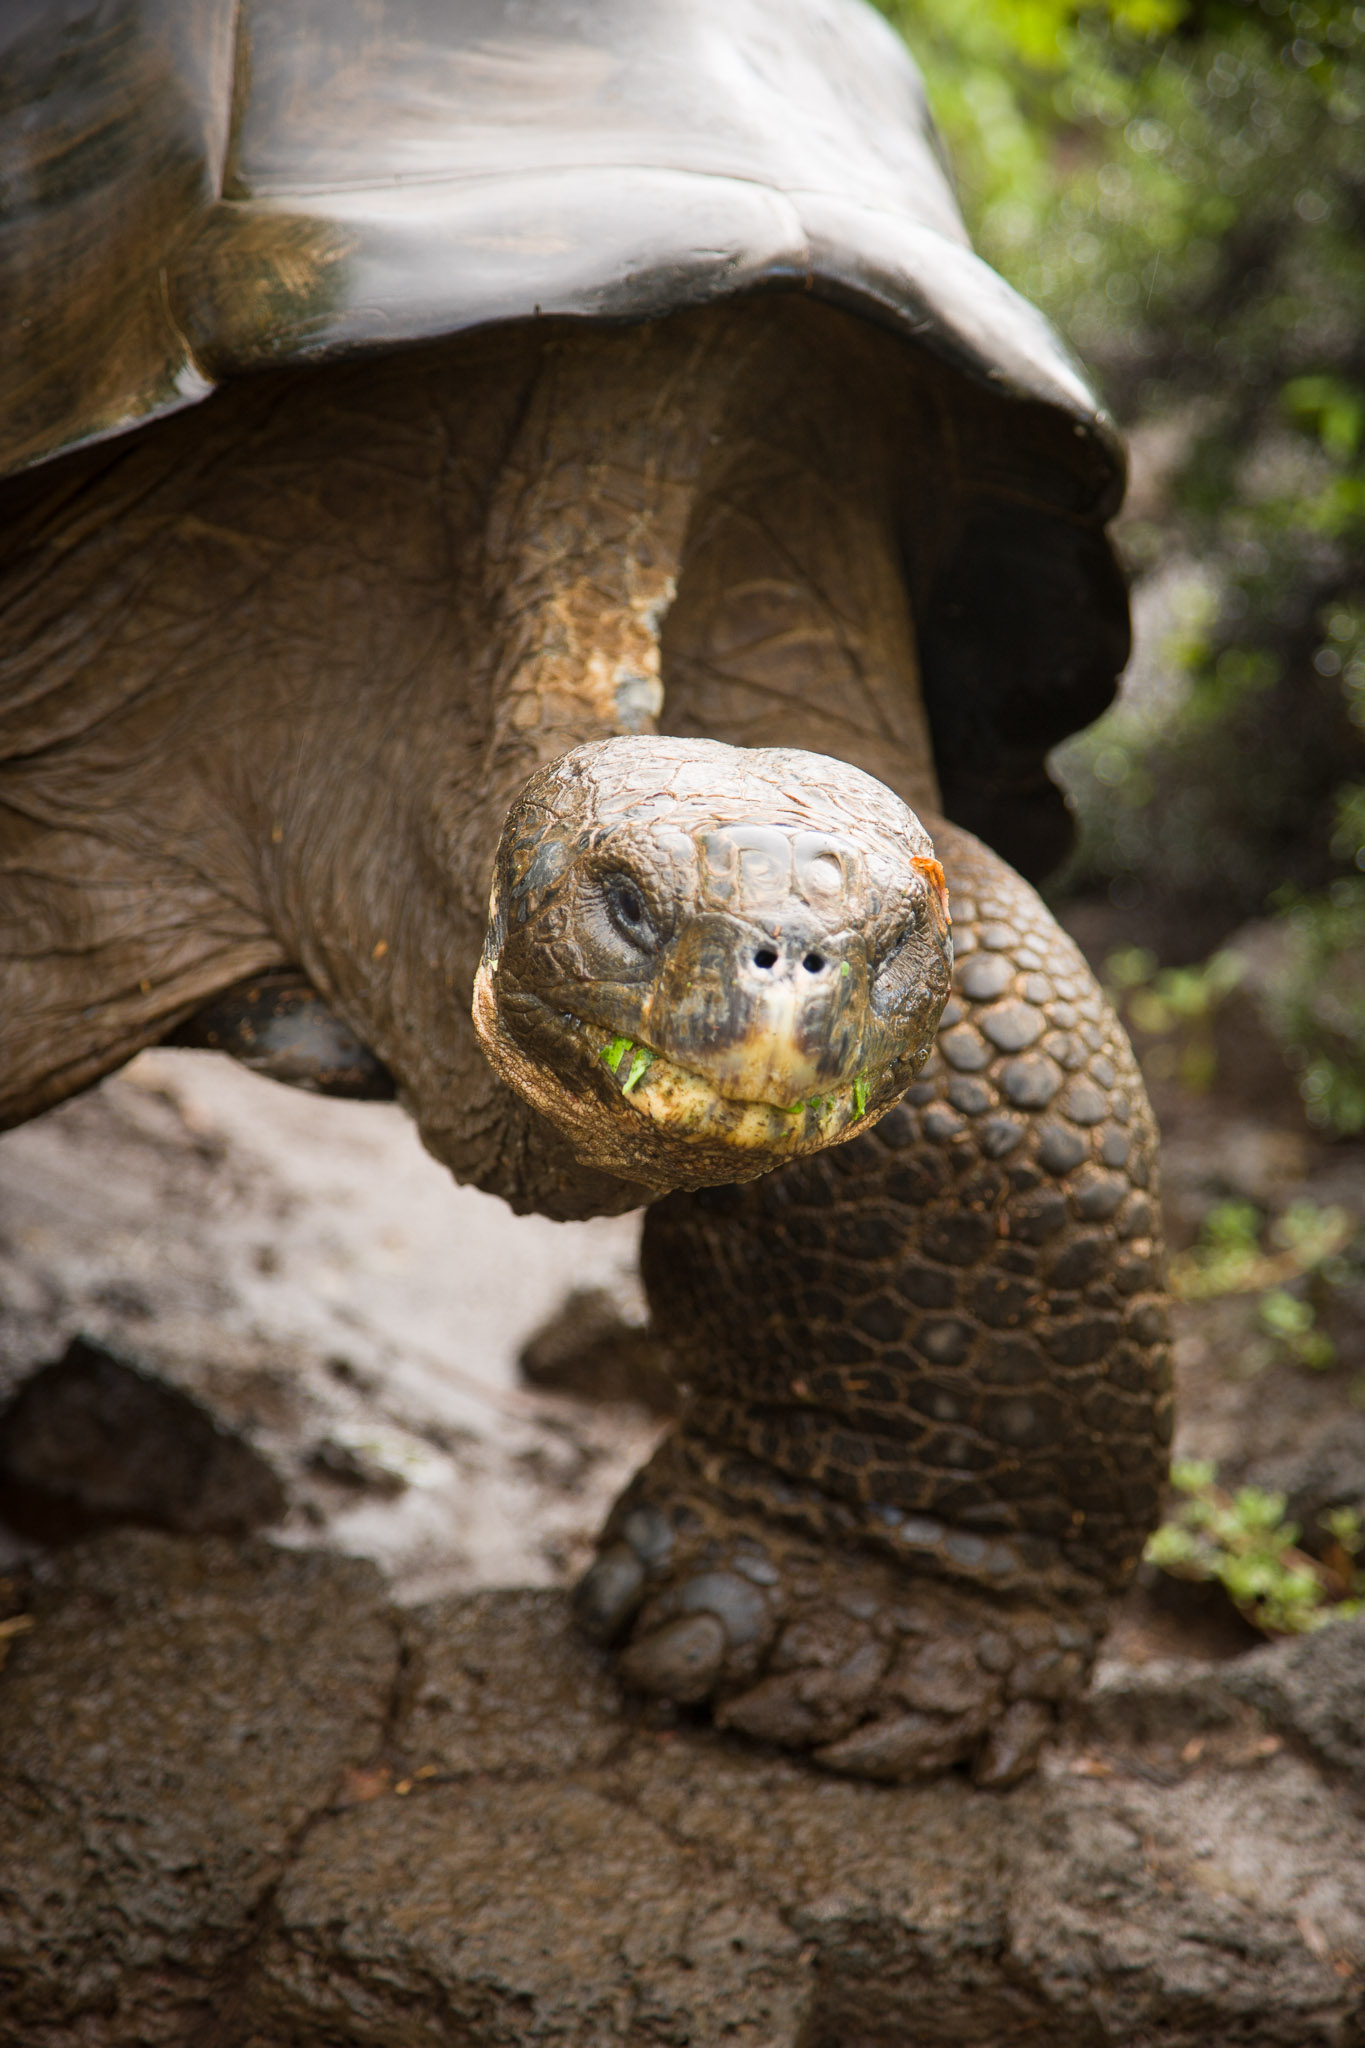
(1284,1315)
(1170,1546)
(1344,1526)
(614,1053)
(639,1067)
(860,1095)
(845,969)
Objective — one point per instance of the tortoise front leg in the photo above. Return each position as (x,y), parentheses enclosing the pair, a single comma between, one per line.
(928,1390)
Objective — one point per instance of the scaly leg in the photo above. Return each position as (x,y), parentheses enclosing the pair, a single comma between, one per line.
(929,1390)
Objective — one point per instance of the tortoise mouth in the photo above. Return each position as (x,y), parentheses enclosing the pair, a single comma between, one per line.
(681,1100)
(632,1111)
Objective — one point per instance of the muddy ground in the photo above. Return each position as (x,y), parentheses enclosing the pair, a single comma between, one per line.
(339,1782)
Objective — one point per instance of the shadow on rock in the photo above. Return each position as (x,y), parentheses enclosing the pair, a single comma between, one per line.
(93,1440)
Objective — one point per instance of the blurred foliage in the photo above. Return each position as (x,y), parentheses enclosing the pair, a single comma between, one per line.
(1292,1323)
(1316,1002)
(1180,184)
(1295,1268)
(1242,1541)
(1176,1005)
(1306,1242)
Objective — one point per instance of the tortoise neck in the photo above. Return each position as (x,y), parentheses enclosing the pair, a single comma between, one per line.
(585,533)
(282,663)
(575,547)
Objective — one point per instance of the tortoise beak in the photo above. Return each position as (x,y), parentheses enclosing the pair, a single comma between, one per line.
(766,1013)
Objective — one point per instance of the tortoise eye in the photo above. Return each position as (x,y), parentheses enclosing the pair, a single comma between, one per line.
(629,911)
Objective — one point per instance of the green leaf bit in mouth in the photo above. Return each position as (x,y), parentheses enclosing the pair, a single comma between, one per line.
(639,1066)
(625,1058)
(615,1055)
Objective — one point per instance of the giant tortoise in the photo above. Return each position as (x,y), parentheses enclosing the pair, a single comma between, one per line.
(531,549)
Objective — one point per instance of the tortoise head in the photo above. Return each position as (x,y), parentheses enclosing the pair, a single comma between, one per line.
(703,960)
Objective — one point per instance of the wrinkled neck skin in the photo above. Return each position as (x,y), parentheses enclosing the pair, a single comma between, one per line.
(281,666)
(571,570)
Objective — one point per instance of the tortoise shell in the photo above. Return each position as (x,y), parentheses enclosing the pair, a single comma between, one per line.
(202,188)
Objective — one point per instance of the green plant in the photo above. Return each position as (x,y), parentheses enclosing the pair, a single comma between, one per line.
(1316,1000)
(1242,1542)
(1307,1242)
(1176,1003)
(1292,1276)
(1291,1321)
(1227,1258)
(1313,1236)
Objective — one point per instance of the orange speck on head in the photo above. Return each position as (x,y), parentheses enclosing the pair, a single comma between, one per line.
(932,871)
(380,950)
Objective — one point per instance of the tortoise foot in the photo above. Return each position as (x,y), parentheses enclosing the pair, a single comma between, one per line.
(872,1670)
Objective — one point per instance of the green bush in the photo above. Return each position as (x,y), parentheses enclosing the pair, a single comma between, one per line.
(1316,1002)
(1180,184)
(1242,1542)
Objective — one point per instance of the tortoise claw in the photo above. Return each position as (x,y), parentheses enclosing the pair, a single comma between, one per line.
(681,1661)
(1013,1745)
(829,1681)
(899,1746)
(608,1595)
(873,1672)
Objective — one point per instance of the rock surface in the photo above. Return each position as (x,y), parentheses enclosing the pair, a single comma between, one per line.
(246,1804)
(172,1723)
(597,1346)
(303,1272)
(252,1797)
(92,1439)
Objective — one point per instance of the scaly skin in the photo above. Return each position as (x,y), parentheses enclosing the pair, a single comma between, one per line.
(928,1390)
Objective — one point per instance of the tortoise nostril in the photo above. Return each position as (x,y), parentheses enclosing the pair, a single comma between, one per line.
(765,957)
(813,962)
